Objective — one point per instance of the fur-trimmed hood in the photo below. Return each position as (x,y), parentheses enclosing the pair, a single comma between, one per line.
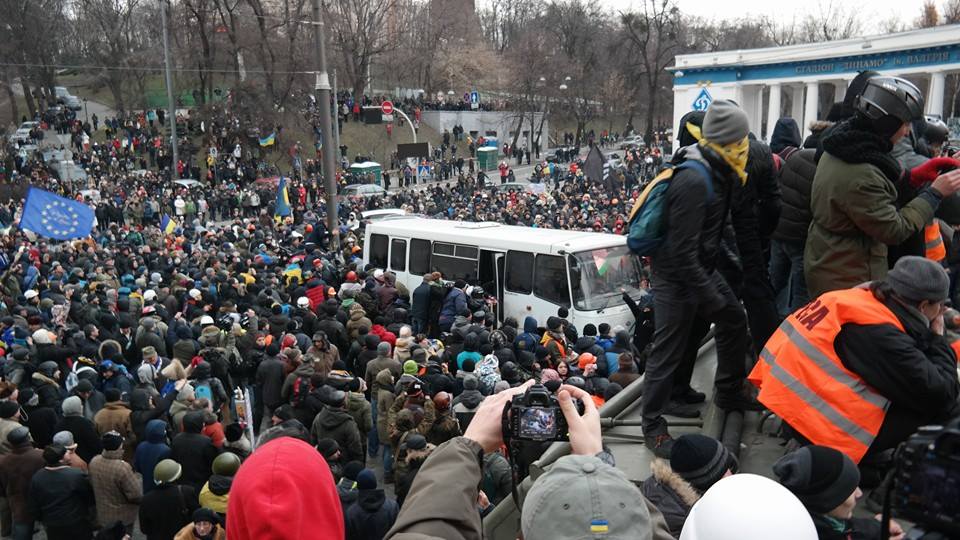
(665,475)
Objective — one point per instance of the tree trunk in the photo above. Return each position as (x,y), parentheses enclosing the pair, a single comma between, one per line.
(28,97)
(12,96)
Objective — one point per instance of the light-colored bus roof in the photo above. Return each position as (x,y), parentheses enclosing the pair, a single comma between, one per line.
(490,234)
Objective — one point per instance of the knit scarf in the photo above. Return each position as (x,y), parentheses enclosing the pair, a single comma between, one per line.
(852,143)
(734,154)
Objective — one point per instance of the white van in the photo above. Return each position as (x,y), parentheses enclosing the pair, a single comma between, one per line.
(531,271)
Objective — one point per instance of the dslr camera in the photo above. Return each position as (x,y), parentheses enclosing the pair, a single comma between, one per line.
(927,480)
(536,416)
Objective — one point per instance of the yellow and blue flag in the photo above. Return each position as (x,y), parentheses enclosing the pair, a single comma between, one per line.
(282,207)
(269,139)
(293,272)
(55,217)
(167,224)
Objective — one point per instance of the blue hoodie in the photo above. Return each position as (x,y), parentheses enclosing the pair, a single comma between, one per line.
(529,339)
(151,452)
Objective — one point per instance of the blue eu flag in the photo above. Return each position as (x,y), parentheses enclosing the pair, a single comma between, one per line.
(55,217)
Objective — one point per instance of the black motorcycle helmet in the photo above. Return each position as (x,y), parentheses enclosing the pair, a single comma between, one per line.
(887,103)
(936,132)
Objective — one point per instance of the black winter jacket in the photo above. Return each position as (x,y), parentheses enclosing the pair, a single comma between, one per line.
(166,510)
(195,453)
(796,181)
(371,516)
(60,497)
(84,434)
(915,370)
(671,494)
(688,253)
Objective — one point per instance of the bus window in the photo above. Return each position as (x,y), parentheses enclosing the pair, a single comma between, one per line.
(398,255)
(550,280)
(467,252)
(519,272)
(378,250)
(455,267)
(419,257)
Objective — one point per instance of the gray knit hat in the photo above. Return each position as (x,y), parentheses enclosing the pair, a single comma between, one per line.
(725,122)
(918,278)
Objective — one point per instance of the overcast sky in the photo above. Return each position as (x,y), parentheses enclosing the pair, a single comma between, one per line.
(873,11)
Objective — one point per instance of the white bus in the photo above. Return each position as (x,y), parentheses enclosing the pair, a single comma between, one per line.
(530,271)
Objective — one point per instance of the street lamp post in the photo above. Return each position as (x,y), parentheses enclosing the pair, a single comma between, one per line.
(168,76)
(326,127)
(86,117)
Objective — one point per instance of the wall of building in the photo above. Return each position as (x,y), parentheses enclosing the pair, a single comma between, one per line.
(498,123)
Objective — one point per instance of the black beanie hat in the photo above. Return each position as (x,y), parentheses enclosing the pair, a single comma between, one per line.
(701,460)
(352,469)
(8,408)
(820,476)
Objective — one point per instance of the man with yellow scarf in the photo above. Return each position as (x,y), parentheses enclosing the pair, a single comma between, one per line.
(684,277)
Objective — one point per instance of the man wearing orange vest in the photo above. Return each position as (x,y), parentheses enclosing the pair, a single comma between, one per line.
(861,369)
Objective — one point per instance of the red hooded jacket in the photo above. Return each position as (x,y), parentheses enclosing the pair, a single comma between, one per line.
(284,490)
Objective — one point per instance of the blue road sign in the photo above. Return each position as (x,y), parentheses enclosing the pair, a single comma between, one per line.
(704,99)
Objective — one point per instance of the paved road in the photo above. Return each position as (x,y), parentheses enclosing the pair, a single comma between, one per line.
(91,107)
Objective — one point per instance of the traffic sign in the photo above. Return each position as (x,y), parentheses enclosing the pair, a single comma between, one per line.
(387,107)
(704,99)
(474,97)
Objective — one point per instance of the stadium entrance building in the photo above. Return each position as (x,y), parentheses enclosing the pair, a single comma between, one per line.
(802,81)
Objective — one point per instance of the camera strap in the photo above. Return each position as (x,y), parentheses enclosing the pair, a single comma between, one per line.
(515,475)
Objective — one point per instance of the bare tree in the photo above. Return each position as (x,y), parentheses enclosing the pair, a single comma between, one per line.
(652,33)
(360,33)
(833,20)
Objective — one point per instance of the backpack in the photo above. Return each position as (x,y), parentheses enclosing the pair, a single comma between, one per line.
(647,224)
(202,390)
(301,389)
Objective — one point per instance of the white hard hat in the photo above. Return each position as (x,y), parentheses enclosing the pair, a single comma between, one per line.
(206,320)
(748,507)
(303,301)
(195,294)
(149,294)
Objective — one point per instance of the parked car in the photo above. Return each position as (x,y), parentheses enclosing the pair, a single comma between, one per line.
(363,190)
(370,216)
(519,187)
(73,103)
(631,142)
(614,160)
(22,135)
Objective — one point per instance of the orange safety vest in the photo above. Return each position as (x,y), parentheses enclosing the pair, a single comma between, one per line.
(933,243)
(803,381)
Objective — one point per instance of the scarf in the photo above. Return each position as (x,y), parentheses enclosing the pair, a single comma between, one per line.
(734,154)
(852,143)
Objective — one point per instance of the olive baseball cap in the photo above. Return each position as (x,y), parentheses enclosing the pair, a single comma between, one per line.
(581,497)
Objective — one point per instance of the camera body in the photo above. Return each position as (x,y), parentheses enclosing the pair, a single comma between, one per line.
(928,479)
(536,416)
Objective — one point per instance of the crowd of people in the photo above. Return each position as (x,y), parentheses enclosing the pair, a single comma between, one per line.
(246,374)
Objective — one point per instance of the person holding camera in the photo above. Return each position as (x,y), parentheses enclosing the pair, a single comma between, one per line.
(581,494)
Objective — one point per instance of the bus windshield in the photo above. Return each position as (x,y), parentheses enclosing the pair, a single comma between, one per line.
(597,277)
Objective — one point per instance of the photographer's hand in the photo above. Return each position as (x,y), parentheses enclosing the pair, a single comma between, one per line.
(486,428)
(585,437)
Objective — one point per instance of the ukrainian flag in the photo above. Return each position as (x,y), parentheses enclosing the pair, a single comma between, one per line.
(293,272)
(167,225)
(282,207)
(269,139)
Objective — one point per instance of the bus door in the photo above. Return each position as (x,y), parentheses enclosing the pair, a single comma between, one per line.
(491,277)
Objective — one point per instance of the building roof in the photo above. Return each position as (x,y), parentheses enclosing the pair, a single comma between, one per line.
(912,39)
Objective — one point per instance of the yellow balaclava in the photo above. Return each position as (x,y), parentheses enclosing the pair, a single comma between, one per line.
(735,153)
